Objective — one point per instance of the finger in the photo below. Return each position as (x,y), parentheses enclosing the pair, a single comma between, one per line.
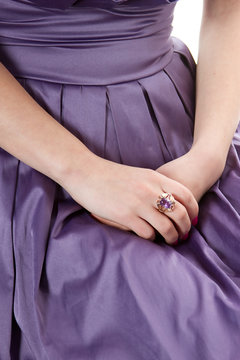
(186,198)
(142,228)
(161,223)
(109,222)
(183,195)
(180,217)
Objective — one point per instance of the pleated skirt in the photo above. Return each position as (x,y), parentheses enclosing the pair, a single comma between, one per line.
(72,287)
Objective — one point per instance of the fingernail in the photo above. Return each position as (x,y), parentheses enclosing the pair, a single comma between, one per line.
(195,221)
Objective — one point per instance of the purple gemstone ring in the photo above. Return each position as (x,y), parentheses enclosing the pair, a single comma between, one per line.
(165,202)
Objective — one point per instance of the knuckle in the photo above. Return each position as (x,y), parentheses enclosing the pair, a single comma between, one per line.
(143,190)
(189,197)
(124,217)
(186,193)
(151,177)
(150,173)
(182,214)
(147,233)
(167,230)
(144,231)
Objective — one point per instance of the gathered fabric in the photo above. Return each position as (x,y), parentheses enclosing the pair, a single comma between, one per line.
(85,44)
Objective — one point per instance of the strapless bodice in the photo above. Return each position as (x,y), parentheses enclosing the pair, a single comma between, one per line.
(91,42)
(64,4)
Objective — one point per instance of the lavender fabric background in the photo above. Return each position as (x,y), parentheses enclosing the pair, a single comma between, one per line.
(70,286)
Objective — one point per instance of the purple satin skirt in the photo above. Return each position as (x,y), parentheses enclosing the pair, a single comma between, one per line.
(72,288)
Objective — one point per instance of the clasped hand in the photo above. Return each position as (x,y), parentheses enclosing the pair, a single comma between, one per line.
(124,196)
(177,177)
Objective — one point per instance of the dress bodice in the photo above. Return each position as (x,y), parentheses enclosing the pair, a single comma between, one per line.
(88,42)
(64,4)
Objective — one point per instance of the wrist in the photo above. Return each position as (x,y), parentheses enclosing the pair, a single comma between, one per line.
(77,165)
(209,165)
(212,157)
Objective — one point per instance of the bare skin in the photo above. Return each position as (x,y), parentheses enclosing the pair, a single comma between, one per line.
(135,191)
(218,100)
(33,136)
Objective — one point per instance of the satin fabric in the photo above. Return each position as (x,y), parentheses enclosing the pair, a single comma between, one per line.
(74,288)
(62,46)
(64,4)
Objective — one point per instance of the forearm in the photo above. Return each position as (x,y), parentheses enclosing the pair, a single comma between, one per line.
(33,136)
(218,80)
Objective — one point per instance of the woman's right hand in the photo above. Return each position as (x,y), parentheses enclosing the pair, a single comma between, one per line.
(127,196)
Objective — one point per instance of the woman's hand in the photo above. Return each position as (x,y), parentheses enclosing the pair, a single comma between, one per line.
(127,196)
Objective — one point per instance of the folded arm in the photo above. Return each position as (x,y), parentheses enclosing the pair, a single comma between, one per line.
(217,99)
(218,80)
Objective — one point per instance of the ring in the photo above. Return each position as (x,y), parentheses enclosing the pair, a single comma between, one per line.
(165,202)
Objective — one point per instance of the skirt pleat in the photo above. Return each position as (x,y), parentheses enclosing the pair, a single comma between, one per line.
(75,288)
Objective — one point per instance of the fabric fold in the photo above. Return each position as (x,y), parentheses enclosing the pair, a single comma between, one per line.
(73,287)
(86,45)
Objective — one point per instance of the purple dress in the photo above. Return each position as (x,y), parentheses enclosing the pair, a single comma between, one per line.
(72,288)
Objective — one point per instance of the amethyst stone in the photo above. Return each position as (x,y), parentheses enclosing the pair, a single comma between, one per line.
(166,203)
